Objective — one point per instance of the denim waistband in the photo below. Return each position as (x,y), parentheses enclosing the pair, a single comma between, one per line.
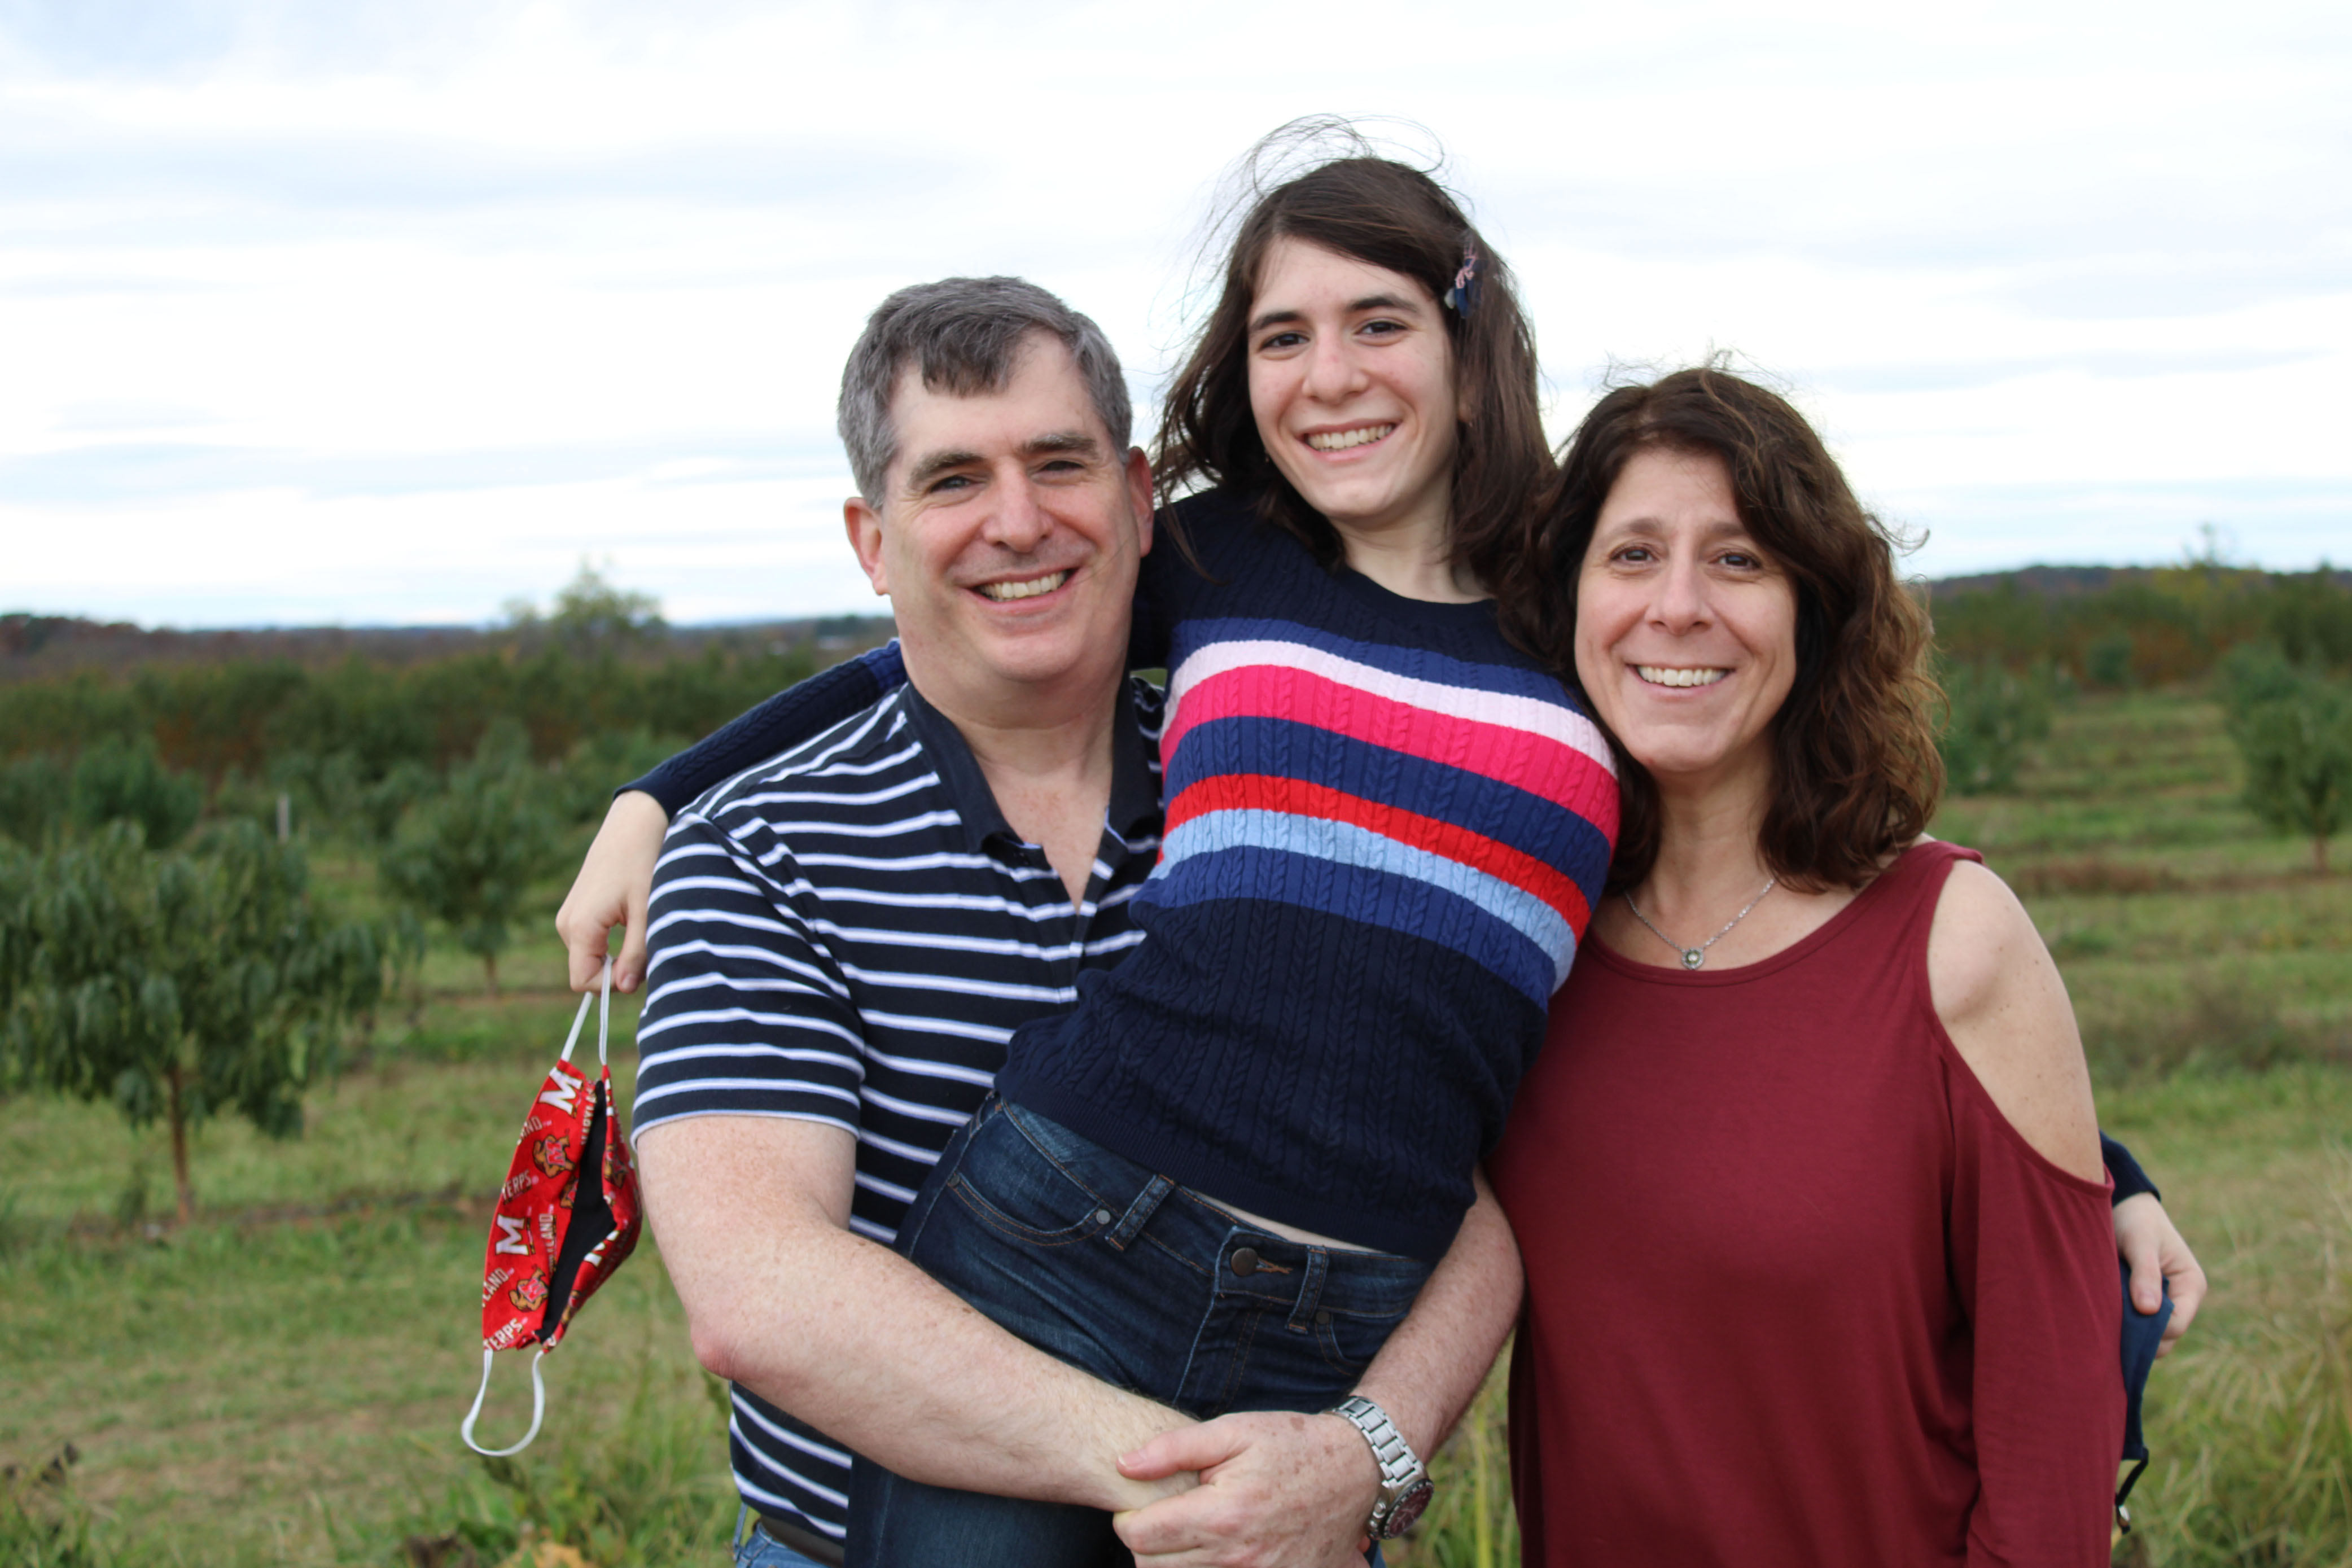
(1138,1206)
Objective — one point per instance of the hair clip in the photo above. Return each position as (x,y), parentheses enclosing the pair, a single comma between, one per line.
(1464,292)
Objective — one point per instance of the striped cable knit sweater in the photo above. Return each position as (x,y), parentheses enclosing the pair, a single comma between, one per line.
(1386,831)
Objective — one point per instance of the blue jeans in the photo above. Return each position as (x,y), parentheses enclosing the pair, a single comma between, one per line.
(755,1548)
(1125,1275)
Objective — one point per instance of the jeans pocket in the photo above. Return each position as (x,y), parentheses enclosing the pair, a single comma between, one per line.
(1348,1340)
(1010,1185)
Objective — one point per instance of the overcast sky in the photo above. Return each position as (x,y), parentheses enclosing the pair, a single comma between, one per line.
(374,312)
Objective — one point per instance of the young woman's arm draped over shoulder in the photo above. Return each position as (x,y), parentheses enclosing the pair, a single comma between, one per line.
(618,873)
(2031,1241)
(799,713)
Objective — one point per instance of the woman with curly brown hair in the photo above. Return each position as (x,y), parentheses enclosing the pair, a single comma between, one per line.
(1891,1337)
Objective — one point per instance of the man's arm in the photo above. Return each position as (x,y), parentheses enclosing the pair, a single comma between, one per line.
(1293,1489)
(751,1081)
(751,1216)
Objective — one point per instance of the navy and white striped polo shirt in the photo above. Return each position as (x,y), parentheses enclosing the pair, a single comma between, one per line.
(849,932)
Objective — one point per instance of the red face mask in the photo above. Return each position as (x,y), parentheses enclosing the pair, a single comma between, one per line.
(566,1218)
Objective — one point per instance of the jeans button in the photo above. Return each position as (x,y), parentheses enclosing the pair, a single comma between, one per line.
(1246,1260)
(1100,1216)
(1324,1318)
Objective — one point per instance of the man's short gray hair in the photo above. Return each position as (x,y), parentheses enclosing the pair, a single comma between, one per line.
(963,334)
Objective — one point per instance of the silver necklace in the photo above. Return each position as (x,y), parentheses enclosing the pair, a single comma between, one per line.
(1695,957)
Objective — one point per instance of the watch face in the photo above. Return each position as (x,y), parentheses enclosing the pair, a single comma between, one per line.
(1408,1509)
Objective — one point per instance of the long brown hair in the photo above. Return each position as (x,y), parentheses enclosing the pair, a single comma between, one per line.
(1855,772)
(1383,212)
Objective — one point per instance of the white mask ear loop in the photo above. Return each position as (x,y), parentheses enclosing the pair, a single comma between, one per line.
(537,1408)
(604,1009)
(604,998)
(573,1038)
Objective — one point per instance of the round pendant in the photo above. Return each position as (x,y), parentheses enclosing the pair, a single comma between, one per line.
(1693,958)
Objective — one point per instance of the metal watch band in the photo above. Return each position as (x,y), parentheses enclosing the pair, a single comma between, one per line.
(1405,1479)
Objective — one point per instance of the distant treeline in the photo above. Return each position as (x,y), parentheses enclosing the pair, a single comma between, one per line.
(2106,628)
(249,718)
(39,648)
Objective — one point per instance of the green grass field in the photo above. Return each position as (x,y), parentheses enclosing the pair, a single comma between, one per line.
(283,1381)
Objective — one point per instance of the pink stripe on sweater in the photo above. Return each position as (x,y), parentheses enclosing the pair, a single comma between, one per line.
(1540,765)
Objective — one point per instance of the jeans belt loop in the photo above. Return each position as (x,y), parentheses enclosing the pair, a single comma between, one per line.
(1139,1213)
(1310,1290)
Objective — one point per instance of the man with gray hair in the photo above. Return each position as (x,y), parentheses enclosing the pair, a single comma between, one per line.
(842,938)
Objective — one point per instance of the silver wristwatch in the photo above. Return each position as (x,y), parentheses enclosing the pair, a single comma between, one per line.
(1405,1479)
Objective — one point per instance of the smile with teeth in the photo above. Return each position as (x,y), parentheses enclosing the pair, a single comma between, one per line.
(1664,674)
(1029,588)
(1341,440)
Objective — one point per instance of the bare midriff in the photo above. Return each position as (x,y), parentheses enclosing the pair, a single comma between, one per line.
(1287,1232)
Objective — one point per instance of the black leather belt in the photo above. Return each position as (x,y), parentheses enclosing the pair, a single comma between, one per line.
(801,1538)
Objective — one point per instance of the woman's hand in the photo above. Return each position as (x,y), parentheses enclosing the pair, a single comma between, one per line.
(2147,1239)
(615,881)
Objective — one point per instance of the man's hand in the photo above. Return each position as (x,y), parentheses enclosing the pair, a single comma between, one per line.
(615,881)
(1278,1489)
(2147,1239)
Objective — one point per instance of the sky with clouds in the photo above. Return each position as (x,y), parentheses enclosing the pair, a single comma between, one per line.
(390,311)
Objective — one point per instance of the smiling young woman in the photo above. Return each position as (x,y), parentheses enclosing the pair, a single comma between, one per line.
(1386,826)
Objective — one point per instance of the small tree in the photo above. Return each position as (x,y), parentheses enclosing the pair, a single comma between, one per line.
(1995,713)
(467,857)
(591,618)
(2294,730)
(119,780)
(176,984)
(32,797)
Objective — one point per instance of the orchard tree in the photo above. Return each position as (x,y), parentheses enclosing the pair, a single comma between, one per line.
(32,797)
(178,985)
(124,781)
(467,857)
(591,616)
(2294,730)
(1993,715)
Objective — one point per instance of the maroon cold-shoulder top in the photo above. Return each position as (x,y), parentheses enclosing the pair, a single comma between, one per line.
(1799,1295)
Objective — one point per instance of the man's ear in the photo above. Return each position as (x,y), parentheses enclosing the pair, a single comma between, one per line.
(865,526)
(1138,492)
